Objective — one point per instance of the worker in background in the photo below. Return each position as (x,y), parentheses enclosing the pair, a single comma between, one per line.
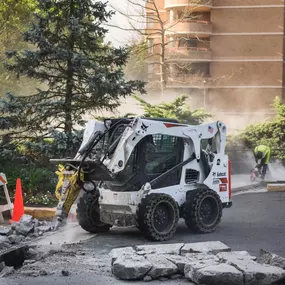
(262,156)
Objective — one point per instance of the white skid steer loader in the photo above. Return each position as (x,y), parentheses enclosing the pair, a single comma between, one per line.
(147,173)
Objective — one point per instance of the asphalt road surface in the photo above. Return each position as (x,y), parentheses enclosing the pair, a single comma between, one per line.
(255,221)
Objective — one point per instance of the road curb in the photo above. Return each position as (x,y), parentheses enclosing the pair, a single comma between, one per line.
(248,187)
(48,213)
(40,213)
(276,187)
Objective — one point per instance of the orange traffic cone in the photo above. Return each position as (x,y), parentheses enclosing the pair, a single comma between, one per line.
(18,211)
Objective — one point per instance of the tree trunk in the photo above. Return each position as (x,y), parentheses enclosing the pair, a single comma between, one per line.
(68,101)
(163,75)
(69,84)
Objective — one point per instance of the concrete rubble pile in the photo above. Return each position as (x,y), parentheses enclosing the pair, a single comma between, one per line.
(27,260)
(212,263)
(25,230)
(14,251)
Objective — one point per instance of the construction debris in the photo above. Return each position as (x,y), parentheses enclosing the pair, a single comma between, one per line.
(267,257)
(24,230)
(206,263)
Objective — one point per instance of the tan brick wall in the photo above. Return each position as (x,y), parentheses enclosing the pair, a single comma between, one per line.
(247,20)
(246,73)
(246,2)
(246,46)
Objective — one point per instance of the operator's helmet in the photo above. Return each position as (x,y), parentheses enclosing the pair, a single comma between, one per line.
(259,155)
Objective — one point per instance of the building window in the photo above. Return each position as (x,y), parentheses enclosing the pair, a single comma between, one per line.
(150,45)
(196,68)
(150,69)
(188,43)
(150,21)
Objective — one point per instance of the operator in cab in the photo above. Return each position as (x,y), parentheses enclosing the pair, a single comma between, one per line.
(262,157)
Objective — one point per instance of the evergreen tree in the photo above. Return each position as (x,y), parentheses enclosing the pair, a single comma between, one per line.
(15,17)
(81,72)
(177,109)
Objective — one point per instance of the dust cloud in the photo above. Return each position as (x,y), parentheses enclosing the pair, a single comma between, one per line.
(276,171)
(237,108)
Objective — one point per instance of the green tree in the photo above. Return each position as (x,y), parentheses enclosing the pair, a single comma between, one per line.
(177,109)
(15,17)
(81,72)
(136,67)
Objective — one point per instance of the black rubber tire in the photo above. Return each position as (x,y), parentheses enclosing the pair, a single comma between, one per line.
(192,211)
(88,213)
(147,212)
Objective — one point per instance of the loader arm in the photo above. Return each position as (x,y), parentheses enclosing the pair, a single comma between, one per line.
(141,128)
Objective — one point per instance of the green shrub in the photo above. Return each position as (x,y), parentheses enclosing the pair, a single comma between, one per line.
(270,132)
(29,160)
(177,109)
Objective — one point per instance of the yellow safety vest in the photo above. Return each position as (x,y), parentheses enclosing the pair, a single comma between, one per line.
(265,152)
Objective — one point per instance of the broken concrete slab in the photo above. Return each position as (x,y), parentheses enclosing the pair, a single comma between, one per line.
(27,220)
(197,257)
(206,263)
(147,279)
(16,239)
(198,261)
(24,230)
(119,252)
(34,273)
(44,229)
(5,231)
(32,253)
(159,249)
(204,247)
(222,274)
(3,240)
(267,257)
(7,271)
(131,267)
(256,273)
(178,260)
(235,255)
(161,266)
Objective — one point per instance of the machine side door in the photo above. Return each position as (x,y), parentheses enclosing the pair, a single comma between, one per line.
(157,154)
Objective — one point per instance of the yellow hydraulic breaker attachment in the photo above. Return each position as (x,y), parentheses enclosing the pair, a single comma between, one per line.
(67,191)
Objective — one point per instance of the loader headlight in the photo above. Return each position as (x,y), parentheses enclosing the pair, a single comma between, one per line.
(89,186)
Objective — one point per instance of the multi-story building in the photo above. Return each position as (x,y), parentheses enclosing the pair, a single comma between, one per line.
(227,54)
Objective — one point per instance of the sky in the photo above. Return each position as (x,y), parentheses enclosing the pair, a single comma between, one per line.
(117,36)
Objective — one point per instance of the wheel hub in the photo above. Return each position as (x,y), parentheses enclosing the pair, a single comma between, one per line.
(163,217)
(208,211)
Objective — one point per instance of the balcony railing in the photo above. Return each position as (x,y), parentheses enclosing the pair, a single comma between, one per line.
(198,5)
(186,53)
(197,28)
(188,80)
